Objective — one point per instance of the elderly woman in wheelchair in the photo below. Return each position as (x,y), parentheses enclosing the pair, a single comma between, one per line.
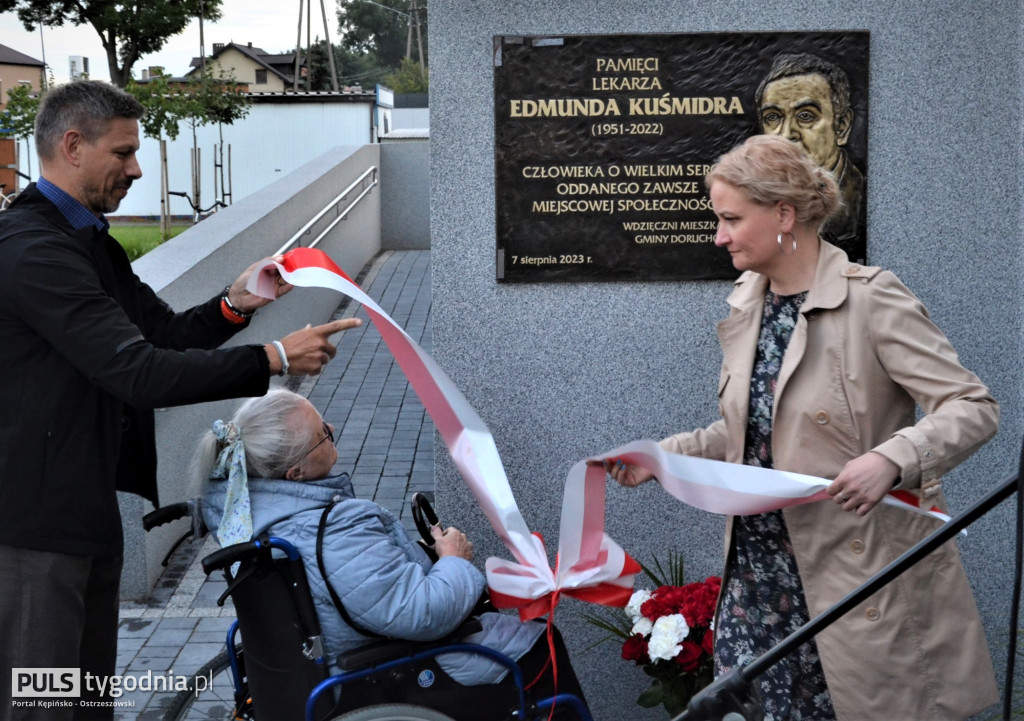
(268,474)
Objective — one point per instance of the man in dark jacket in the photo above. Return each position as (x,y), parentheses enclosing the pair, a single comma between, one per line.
(88,351)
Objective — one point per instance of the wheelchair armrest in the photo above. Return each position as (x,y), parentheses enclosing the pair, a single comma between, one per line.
(388,649)
(166,514)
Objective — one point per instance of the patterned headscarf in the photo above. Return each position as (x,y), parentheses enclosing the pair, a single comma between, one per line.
(236,523)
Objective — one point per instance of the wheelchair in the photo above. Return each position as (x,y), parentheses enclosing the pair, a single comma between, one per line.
(274,668)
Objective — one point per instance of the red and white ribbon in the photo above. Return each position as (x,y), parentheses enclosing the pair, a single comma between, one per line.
(733,489)
(590,564)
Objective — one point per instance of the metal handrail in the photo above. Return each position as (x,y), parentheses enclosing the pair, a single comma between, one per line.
(361,180)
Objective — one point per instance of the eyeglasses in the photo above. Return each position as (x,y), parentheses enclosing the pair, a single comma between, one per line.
(328,436)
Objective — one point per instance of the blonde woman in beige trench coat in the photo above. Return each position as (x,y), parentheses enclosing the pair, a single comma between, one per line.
(862,354)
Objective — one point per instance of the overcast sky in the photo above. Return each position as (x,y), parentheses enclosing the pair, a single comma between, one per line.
(269,24)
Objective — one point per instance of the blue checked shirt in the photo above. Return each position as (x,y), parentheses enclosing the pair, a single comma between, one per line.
(77,214)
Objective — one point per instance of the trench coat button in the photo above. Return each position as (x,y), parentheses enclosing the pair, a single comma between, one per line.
(857,546)
(873,614)
(851,269)
(821,418)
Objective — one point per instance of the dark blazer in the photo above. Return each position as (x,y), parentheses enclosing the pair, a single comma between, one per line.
(87,350)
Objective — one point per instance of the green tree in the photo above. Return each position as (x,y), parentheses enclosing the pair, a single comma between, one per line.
(409,78)
(20,117)
(165,107)
(128,29)
(382,28)
(352,68)
(216,98)
(22,106)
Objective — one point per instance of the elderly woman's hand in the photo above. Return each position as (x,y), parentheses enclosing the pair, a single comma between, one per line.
(863,482)
(451,542)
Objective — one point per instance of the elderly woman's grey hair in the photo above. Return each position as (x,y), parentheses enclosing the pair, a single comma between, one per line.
(267,428)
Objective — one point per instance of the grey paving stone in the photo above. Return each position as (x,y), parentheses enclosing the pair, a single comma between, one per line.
(136,628)
(213,624)
(167,624)
(130,643)
(156,664)
(157,650)
(194,656)
(170,637)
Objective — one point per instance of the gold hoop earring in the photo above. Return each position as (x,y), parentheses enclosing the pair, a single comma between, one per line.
(779,239)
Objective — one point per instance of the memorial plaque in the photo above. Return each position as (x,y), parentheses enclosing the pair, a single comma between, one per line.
(602,143)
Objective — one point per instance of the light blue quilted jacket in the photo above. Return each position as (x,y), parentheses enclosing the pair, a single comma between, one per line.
(385,580)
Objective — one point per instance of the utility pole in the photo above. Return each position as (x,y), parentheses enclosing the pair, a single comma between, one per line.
(202,41)
(309,45)
(42,47)
(414,11)
(408,37)
(330,48)
(414,18)
(298,51)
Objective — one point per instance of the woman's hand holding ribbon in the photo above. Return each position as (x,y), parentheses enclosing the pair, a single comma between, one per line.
(627,474)
(863,482)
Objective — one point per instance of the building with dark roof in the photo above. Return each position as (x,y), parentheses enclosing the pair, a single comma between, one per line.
(17,68)
(263,72)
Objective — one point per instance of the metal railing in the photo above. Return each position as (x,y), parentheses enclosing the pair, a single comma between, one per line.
(360,182)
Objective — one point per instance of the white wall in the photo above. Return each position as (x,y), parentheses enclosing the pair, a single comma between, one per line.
(410,118)
(273,140)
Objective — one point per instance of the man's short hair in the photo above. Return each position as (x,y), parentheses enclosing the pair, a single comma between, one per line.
(787,65)
(84,105)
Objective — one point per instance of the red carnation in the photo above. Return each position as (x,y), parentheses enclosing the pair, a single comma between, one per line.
(708,642)
(689,656)
(635,649)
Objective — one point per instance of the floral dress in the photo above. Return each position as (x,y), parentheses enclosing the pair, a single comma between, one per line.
(763,599)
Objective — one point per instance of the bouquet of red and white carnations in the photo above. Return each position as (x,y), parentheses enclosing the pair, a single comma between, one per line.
(668,633)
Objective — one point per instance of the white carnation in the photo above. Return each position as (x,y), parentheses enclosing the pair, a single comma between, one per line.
(642,626)
(667,636)
(635,602)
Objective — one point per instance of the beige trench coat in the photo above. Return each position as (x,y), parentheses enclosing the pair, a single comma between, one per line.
(863,353)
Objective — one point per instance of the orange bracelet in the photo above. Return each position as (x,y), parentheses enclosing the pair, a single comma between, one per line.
(230,313)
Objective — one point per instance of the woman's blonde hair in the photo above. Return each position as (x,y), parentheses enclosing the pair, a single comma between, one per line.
(770,169)
(272,443)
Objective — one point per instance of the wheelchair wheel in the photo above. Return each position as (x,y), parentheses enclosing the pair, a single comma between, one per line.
(394,712)
(216,703)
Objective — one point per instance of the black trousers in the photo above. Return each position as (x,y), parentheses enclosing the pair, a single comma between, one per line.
(57,611)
